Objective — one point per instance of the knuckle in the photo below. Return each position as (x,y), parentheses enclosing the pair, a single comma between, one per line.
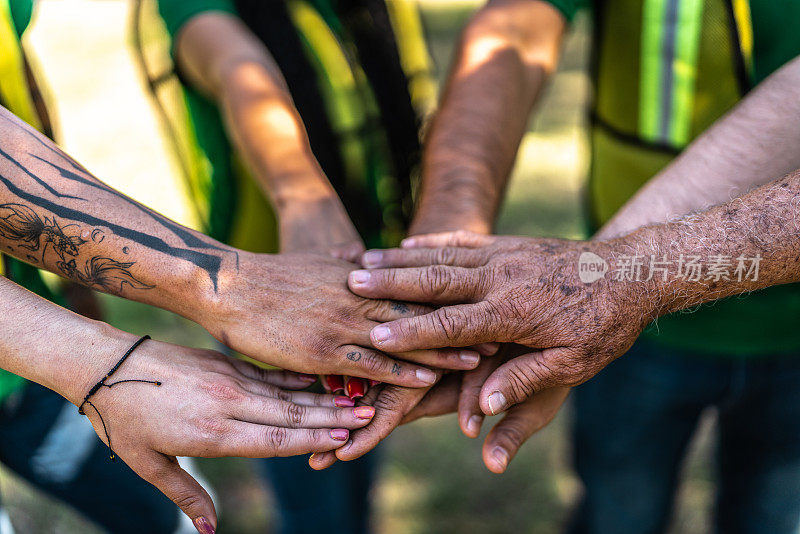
(511,434)
(372,362)
(186,500)
(223,389)
(435,279)
(450,323)
(521,380)
(295,414)
(444,256)
(276,438)
(210,429)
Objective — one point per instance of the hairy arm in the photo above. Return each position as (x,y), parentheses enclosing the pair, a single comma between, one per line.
(529,291)
(222,58)
(503,59)
(750,146)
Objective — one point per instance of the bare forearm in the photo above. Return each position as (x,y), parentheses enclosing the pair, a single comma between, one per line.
(55,215)
(748,147)
(52,346)
(221,57)
(746,244)
(503,59)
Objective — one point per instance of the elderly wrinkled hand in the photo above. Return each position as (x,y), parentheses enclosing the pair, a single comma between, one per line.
(511,290)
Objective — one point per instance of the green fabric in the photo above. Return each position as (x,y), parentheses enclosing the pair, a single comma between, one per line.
(21,11)
(177,12)
(568,8)
(761,323)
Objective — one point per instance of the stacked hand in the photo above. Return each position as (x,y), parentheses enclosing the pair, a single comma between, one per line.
(494,289)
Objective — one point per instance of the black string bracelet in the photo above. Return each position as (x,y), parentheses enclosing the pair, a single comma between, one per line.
(102,384)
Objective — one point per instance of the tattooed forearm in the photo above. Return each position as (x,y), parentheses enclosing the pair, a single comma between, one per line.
(40,176)
(21,225)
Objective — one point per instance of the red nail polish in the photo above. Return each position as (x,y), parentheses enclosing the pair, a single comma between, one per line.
(356,388)
(335,383)
(203,526)
(344,402)
(339,434)
(364,412)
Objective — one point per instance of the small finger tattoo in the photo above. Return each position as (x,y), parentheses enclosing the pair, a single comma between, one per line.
(395,369)
(400,307)
(354,356)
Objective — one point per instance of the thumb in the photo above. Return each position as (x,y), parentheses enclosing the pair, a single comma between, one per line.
(321,460)
(519,378)
(168,476)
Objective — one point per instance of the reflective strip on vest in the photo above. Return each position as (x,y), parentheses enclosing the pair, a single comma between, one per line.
(744,27)
(670,40)
(414,56)
(14,91)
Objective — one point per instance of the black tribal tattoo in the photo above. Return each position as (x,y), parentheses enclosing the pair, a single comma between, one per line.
(21,224)
(208,257)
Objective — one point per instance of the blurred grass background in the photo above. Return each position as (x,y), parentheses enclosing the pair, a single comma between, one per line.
(432,479)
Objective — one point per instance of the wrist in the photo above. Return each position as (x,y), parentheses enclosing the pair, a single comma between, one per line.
(640,275)
(94,349)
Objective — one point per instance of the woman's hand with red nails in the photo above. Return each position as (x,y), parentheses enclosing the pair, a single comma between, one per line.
(511,290)
(207,405)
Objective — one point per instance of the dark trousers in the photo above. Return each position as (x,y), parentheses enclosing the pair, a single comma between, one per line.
(635,420)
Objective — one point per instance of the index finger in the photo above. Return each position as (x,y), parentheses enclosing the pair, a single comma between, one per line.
(435,284)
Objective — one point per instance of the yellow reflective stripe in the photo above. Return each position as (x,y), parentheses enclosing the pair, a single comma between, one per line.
(670,42)
(744,26)
(684,71)
(650,69)
(338,81)
(414,56)
(13,84)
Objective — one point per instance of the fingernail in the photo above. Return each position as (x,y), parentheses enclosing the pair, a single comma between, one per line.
(474,424)
(364,412)
(355,388)
(373,258)
(203,526)
(497,402)
(408,242)
(335,383)
(313,454)
(359,277)
(308,378)
(501,456)
(339,434)
(426,375)
(344,402)
(381,334)
(373,383)
(470,357)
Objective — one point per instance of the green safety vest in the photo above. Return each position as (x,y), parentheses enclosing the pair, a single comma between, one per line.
(664,71)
